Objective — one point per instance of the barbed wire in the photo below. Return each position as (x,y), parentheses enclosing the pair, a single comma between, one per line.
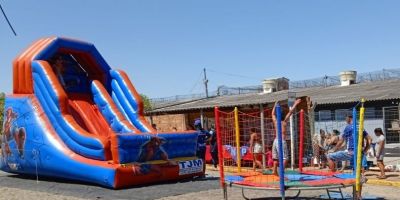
(325,81)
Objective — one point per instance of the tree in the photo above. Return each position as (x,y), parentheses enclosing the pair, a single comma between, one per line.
(146,102)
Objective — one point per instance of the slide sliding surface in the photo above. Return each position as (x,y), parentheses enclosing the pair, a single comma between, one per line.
(55,104)
(82,108)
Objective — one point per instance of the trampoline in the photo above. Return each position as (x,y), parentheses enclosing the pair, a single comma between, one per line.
(231,131)
(294,181)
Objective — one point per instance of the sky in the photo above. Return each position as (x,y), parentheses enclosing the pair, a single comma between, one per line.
(164,45)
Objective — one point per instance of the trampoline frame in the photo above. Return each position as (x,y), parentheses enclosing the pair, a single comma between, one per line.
(299,189)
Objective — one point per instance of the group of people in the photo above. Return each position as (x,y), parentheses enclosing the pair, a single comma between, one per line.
(323,144)
(328,148)
(339,154)
(338,148)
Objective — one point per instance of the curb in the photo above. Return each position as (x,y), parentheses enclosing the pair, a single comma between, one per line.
(384,182)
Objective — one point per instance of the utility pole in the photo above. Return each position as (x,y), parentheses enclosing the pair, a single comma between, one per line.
(205,81)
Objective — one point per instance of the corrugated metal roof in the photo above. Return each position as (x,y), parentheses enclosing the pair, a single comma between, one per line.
(373,91)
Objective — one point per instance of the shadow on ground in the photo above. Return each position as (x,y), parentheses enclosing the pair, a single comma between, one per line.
(90,191)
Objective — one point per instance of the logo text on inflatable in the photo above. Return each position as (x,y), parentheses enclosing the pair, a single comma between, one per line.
(190,167)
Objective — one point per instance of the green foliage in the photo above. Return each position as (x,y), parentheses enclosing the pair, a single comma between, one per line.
(146,102)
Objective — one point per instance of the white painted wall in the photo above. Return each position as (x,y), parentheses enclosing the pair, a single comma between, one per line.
(369,126)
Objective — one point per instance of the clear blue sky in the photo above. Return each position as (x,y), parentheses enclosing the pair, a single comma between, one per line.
(163,45)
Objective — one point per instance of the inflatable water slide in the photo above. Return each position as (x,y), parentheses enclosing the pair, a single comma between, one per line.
(73,117)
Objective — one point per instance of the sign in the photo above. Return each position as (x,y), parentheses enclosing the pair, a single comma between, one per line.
(190,167)
(291,98)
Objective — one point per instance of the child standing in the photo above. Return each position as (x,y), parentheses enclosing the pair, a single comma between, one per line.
(380,151)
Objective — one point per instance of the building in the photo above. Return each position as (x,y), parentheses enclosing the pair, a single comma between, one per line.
(330,105)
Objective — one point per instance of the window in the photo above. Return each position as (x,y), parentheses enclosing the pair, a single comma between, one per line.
(370,113)
(316,116)
(325,115)
(341,114)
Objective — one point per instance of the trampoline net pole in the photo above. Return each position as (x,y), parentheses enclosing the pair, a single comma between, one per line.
(301,145)
(262,134)
(355,139)
(220,149)
(237,137)
(360,143)
(292,156)
(280,154)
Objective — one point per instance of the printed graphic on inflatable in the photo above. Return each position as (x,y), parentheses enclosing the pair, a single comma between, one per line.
(153,150)
(14,136)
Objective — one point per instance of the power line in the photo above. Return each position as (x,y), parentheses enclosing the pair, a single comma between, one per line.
(235,75)
(197,82)
(8,21)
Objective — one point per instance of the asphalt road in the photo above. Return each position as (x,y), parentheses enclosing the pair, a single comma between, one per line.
(82,190)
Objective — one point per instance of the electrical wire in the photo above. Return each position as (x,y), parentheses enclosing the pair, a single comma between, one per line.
(8,21)
(197,82)
(234,75)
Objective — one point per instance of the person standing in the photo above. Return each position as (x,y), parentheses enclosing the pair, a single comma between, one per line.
(380,151)
(58,67)
(275,150)
(67,74)
(213,146)
(201,142)
(348,153)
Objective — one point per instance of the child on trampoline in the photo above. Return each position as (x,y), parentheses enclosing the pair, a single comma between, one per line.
(275,144)
(256,148)
(319,148)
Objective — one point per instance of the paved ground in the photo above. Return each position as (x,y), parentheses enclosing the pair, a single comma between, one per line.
(79,190)
(380,192)
(392,153)
(15,187)
(21,188)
